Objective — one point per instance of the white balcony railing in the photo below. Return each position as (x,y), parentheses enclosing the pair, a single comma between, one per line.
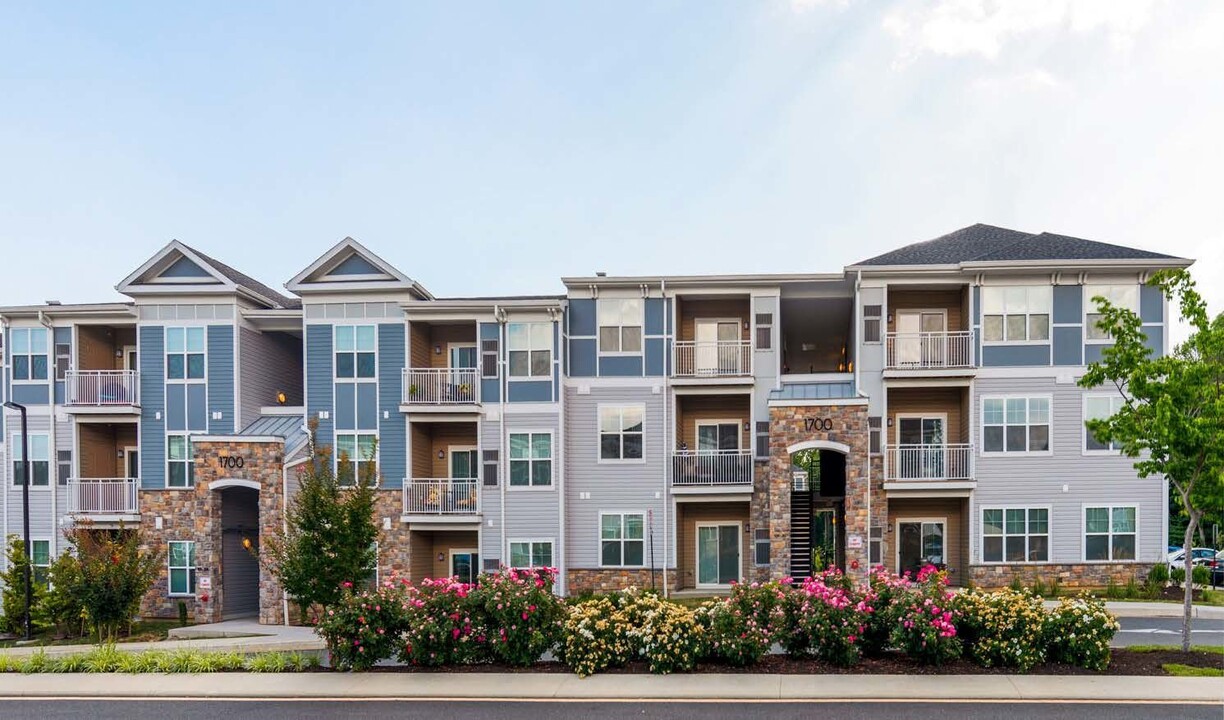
(441,386)
(929,462)
(103,496)
(724,358)
(929,350)
(102,387)
(441,496)
(714,469)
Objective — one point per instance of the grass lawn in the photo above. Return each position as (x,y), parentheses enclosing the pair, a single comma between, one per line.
(142,631)
(1217,649)
(1191,671)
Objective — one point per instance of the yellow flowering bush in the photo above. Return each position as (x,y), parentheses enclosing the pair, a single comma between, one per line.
(1080,630)
(594,637)
(665,635)
(1002,628)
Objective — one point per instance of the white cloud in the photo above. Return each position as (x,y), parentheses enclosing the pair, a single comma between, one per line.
(803,6)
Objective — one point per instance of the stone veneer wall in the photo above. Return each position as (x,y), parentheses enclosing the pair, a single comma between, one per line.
(879,509)
(609,579)
(758,517)
(394,548)
(1082,575)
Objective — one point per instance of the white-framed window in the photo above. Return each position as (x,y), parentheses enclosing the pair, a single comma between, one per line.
(1111,533)
(621,432)
(872,323)
(180,461)
(1123,296)
(355,453)
(63,466)
(63,360)
(531,457)
(1015,535)
(40,565)
(1016,314)
(356,348)
(1099,407)
(185,354)
(28,354)
(620,326)
(622,539)
(531,553)
(530,348)
(1016,425)
(181,562)
(764,331)
(40,460)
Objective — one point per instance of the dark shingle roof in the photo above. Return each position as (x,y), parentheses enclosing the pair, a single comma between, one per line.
(985,243)
(243,280)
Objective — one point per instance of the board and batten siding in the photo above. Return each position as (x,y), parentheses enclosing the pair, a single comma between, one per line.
(152,407)
(613,486)
(1038,481)
(269,363)
(530,512)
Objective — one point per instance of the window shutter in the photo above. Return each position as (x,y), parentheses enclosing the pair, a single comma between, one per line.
(488,358)
(490,468)
(764,331)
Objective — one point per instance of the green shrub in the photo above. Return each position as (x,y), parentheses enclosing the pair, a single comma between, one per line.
(103,659)
(114,573)
(1003,628)
(1016,585)
(1201,575)
(1159,574)
(594,637)
(1177,575)
(1039,588)
(61,608)
(37,662)
(890,593)
(1079,632)
(738,629)
(365,627)
(1131,590)
(926,618)
(269,662)
(523,616)
(826,617)
(13,597)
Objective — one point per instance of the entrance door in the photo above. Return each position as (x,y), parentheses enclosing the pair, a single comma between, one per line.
(239,567)
(920,338)
(465,565)
(462,463)
(717,347)
(920,451)
(921,543)
(131,462)
(718,555)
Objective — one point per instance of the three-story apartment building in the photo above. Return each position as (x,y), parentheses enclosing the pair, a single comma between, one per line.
(676,432)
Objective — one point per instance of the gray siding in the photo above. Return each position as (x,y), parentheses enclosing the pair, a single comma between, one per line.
(221,379)
(1039,480)
(529,513)
(43,517)
(152,407)
(268,363)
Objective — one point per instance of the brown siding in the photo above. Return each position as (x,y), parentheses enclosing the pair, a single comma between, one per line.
(935,400)
(692,309)
(429,438)
(97,345)
(418,345)
(687,517)
(101,446)
(427,544)
(951,300)
(422,466)
(690,409)
(956,531)
(420,550)
(443,335)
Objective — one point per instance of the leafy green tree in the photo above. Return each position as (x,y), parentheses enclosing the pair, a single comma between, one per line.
(113,573)
(13,578)
(329,534)
(61,608)
(1172,417)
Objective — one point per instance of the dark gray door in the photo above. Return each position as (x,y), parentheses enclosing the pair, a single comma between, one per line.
(239,566)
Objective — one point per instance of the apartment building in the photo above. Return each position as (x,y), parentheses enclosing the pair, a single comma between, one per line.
(676,432)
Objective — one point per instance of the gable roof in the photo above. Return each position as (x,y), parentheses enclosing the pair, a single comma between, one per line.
(180,266)
(350,266)
(983,243)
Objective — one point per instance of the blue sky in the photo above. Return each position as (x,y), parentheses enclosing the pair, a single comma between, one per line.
(493,147)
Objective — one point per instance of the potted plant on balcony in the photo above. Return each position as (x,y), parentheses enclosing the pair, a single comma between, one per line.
(413,390)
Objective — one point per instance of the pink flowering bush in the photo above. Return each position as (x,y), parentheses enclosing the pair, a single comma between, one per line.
(739,628)
(364,627)
(890,593)
(524,618)
(925,617)
(442,624)
(826,617)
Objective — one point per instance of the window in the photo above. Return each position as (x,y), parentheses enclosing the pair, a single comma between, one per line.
(40,565)
(620,432)
(622,539)
(764,331)
(718,436)
(63,360)
(63,466)
(1099,407)
(873,435)
(181,561)
(488,358)
(1015,425)
(180,461)
(875,546)
(1109,533)
(871,323)
(490,468)
(531,459)
(185,353)
(620,326)
(1123,296)
(531,553)
(355,351)
(762,440)
(1015,535)
(354,457)
(760,546)
(1016,314)
(40,460)
(530,347)
(28,354)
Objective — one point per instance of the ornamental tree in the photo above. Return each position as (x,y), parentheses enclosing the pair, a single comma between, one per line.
(1172,417)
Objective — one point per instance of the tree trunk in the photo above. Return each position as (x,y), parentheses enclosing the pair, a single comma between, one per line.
(1189,582)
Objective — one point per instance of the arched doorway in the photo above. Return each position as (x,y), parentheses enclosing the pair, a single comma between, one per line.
(818,507)
(239,562)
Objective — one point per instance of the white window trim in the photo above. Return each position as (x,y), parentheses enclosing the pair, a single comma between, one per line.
(552,459)
(697,553)
(641,326)
(336,379)
(169,568)
(942,521)
(601,540)
(981,546)
(552,541)
(450,349)
(708,422)
(377,452)
(881,318)
(983,452)
(599,458)
(450,460)
(1084,533)
(552,354)
(941,417)
(1027,314)
(1089,308)
(1084,433)
(166,458)
(15,447)
(186,380)
(50,355)
(50,553)
(450,559)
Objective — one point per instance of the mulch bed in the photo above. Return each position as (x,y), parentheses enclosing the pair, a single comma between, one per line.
(1125,662)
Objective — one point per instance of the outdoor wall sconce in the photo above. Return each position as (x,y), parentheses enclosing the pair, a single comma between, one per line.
(437,349)
(441,454)
(747,426)
(890,420)
(441,557)
(281,398)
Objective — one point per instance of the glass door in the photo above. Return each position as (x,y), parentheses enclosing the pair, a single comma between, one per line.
(461,384)
(465,565)
(717,351)
(713,437)
(920,447)
(921,543)
(920,338)
(131,462)
(718,555)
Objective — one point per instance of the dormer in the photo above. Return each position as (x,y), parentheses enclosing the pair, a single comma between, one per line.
(350,267)
(178,269)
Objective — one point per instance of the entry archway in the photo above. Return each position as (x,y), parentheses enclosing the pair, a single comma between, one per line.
(239,576)
(817,506)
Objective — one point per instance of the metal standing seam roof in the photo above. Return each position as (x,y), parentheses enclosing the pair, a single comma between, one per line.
(814,391)
(290,427)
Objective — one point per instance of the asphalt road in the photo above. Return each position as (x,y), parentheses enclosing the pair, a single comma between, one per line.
(1167,631)
(586,710)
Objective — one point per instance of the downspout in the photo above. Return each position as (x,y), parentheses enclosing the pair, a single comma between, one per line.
(559,393)
(503,463)
(858,346)
(668,440)
(52,450)
(4,326)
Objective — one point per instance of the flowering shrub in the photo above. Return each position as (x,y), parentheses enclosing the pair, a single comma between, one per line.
(891,592)
(594,637)
(1002,628)
(665,635)
(738,629)
(363,627)
(1079,632)
(523,615)
(925,617)
(442,624)
(825,617)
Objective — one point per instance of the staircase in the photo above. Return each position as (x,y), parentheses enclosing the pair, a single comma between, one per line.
(801,534)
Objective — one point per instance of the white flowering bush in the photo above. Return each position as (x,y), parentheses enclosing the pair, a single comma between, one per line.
(1079,632)
(594,637)
(1002,628)
(665,635)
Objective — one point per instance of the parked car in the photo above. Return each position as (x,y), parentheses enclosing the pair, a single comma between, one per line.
(1198,556)
(1217,570)
(1174,548)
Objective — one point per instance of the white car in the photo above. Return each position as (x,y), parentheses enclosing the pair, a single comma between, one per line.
(1200,556)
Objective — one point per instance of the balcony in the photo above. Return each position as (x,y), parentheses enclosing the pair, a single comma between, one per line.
(929,351)
(109,498)
(102,391)
(441,388)
(712,360)
(929,463)
(717,471)
(442,499)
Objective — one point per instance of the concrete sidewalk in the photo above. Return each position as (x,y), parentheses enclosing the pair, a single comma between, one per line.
(503,686)
(1155,609)
(229,636)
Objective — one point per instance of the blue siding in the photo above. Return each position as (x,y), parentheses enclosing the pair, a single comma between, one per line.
(1068,344)
(656,316)
(221,378)
(1151,304)
(175,416)
(1155,339)
(490,390)
(197,411)
(529,391)
(656,357)
(152,406)
(319,379)
(620,366)
(30,394)
(367,406)
(582,357)
(60,335)
(355,265)
(1068,304)
(184,268)
(392,436)
(1015,355)
(582,317)
(345,416)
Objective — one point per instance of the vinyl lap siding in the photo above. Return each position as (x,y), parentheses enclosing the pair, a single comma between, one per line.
(529,513)
(392,437)
(43,524)
(319,379)
(268,364)
(221,379)
(152,407)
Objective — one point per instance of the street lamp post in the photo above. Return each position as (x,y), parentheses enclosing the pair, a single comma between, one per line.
(25,507)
